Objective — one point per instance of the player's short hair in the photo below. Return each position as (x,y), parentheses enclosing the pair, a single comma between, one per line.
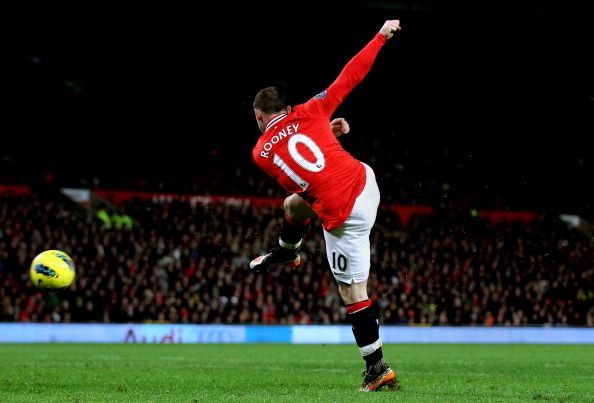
(270,100)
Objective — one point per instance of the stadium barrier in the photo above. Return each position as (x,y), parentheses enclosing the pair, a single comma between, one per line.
(404,212)
(298,334)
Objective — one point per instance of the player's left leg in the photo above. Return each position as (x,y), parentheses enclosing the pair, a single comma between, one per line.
(298,214)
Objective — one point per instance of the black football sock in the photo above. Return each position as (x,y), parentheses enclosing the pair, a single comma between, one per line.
(364,317)
(292,232)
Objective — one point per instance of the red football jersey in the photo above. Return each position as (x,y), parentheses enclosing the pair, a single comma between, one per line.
(302,154)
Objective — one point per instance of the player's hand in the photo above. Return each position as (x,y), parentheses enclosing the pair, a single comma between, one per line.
(389,28)
(340,126)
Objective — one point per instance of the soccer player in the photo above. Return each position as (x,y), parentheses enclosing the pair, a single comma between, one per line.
(299,149)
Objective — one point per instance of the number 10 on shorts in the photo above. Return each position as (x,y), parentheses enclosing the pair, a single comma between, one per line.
(339,261)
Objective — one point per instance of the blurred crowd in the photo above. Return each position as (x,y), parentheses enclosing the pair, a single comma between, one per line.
(432,174)
(184,263)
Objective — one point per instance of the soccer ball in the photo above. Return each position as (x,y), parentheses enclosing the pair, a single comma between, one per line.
(52,270)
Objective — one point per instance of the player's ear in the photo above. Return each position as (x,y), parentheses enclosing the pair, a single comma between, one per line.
(258,114)
(289,108)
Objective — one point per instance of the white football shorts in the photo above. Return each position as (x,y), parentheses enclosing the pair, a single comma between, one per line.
(347,247)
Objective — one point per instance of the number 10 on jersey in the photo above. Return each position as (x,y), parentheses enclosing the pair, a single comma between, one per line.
(316,166)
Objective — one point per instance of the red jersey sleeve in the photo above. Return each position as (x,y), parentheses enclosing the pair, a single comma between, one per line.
(326,102)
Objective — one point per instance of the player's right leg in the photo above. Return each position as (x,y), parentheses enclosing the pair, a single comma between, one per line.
(349,255)
(298,214)
(364,316)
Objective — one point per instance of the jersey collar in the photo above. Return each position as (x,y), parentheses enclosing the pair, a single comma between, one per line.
(275,119)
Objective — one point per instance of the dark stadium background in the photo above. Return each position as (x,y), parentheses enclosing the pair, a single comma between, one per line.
(494,98)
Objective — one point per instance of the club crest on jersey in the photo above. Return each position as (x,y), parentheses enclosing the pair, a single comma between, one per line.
(321,95)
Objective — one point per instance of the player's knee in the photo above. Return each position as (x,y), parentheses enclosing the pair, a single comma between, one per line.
(297,210)
(353,293)
(287,205)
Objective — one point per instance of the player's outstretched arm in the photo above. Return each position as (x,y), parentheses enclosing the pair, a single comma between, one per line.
(354,71)
(340,126)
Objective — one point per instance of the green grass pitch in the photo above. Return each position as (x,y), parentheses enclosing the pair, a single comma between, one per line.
(291,373)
